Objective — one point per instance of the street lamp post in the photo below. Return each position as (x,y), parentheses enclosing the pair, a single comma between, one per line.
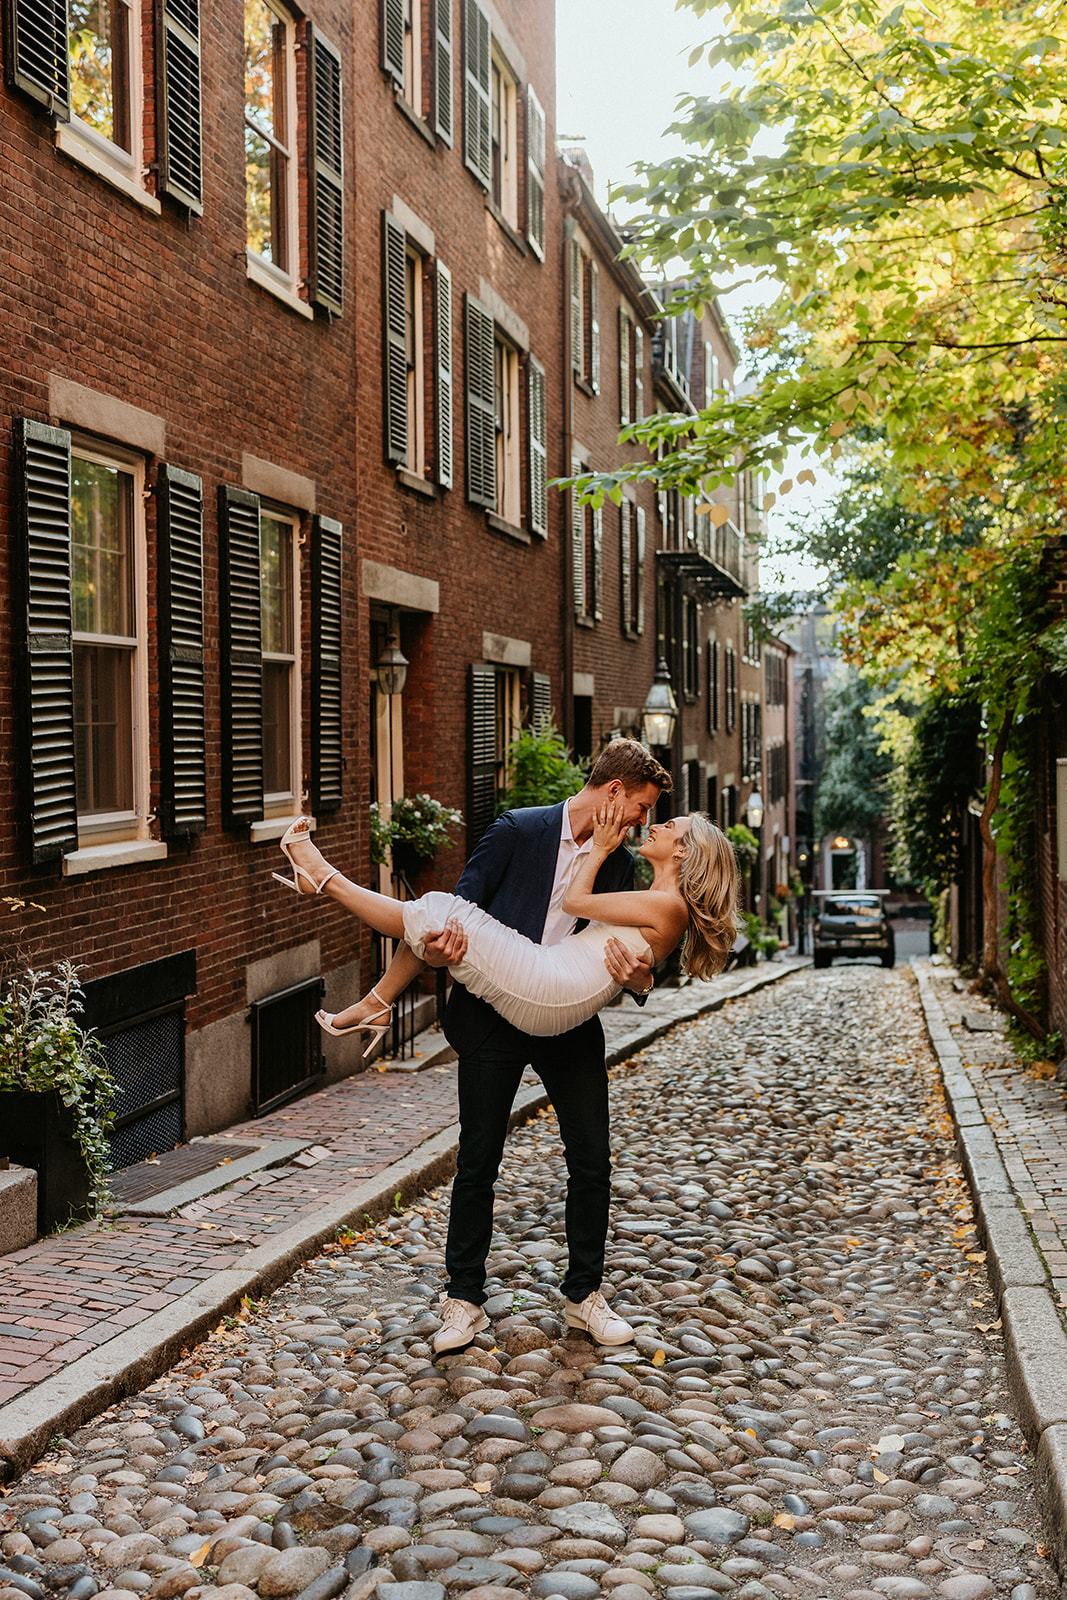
(754,818)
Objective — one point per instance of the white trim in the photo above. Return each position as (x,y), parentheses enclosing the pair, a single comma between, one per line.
(261,272)
(418,232)
(101,857)
(71,141)
(272,828)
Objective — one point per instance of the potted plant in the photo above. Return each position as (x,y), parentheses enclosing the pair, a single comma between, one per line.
(418,827)
(57,1095)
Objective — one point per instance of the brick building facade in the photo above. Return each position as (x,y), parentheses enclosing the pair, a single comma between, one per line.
(291,355)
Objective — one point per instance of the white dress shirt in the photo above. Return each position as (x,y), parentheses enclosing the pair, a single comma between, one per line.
(558,924)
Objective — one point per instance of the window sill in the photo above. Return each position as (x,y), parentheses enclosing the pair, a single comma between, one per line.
(124,853)
(259,272)
(421,127)
(585,622)
(586,387)
(79,150)
(512,233)
(508,529)
(507,228)
(417,484)
(270,830)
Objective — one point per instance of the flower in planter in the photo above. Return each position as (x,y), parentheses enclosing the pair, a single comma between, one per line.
(44,1047)
(420,824)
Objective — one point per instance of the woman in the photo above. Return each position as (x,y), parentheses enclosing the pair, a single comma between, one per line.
(547,989)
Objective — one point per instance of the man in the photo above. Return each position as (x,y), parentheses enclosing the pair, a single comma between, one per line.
(520,872)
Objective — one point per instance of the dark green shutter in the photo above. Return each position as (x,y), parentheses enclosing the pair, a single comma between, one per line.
(242,658)
(48,783)
(481,407)
(477,105)
(481,707)
(597,597)
(394,302)
(443,365)
(626,571)
(442,71)
(392,28)
(36,52)
(326,192)
(178,101)
(540,700)
(327,756)
(182,733)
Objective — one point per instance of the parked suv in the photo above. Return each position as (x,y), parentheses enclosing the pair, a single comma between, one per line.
(852,922)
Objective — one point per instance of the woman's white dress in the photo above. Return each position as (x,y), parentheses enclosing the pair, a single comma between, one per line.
(541,989)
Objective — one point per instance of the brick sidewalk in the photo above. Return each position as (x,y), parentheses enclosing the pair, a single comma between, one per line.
(1026,1114)
(69,1294)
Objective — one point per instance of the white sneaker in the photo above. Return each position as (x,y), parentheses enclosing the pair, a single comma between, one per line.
(460,1321)
(596,1318)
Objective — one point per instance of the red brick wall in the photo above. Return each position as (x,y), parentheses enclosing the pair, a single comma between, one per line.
(157,311)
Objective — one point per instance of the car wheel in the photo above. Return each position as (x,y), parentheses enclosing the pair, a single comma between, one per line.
(889,958)
(821,958)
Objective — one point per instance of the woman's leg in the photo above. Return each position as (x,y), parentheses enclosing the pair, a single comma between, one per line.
(402,970)
(378,911)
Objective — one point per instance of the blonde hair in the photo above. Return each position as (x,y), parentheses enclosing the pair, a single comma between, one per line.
(709,883)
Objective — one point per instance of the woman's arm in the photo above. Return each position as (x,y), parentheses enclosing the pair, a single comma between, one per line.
(654,911)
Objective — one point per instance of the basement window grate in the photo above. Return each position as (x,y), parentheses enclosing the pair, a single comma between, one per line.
(286,1049)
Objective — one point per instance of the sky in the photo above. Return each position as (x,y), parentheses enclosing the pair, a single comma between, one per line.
(621,68)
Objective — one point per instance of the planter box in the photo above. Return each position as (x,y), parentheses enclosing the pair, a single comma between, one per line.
(37,1130)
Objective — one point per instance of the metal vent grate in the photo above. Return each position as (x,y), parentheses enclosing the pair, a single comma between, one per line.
(146,1057)
(286,1053)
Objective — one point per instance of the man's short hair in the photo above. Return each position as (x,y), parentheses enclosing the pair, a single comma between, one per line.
(628,762)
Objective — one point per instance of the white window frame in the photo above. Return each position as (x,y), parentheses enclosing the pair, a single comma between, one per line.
(412,88)
(123,169)
(508,203)
(286,802)
(508,721)
(507,366)
(278,280)
(118,826)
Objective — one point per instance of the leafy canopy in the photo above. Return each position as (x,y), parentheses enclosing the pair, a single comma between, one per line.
(897,175)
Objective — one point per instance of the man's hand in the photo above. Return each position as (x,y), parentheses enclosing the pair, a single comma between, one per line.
(633,971)
(447,947)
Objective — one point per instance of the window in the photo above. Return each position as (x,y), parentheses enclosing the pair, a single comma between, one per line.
(508,455)
(690,647)
(270,131)
(632,569)
(711,373)
(714,688)
(108,665)
(751,740)
(631,369)
(106,92)
(409,360)
(401,39)
(776,773)
(587,558)
(494,704)
(585,317)
(774,664)
(712,806)
(494,423)
(504,185)
(752,646)
(277,592)
(414,353)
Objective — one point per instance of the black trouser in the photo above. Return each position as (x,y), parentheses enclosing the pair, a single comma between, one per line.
(571,1067)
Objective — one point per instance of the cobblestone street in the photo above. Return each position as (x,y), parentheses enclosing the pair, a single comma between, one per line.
(814,1403)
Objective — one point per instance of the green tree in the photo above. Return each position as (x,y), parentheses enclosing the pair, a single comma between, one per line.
(853,796)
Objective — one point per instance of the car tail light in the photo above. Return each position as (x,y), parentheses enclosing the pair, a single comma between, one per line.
(818,927)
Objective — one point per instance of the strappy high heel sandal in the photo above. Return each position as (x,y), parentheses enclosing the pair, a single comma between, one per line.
(299,830)
(372,1025)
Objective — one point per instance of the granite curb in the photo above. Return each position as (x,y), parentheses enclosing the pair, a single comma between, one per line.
(1035,1344)
(135,1358)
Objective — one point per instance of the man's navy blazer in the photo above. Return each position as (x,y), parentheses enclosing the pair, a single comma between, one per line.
(510,875)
